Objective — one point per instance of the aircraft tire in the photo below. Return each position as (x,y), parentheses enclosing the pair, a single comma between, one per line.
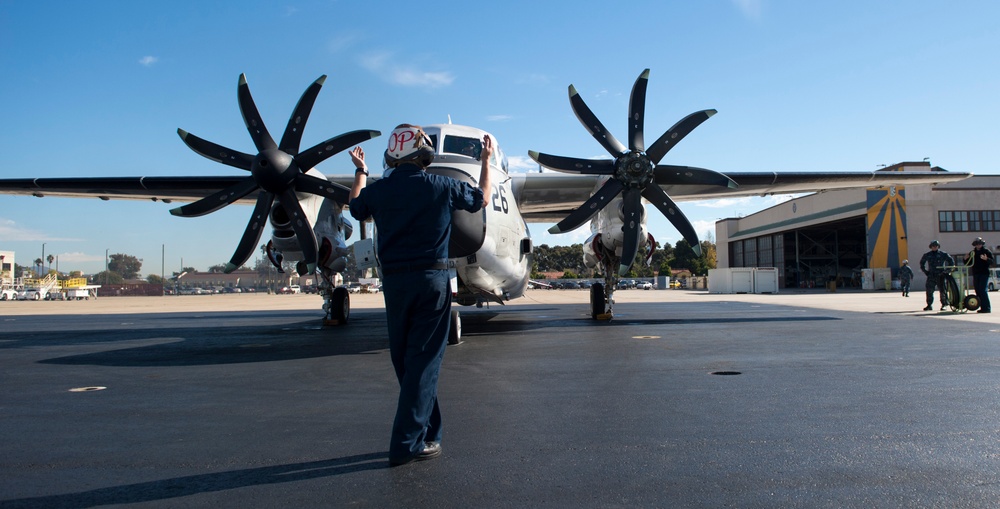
(954,298)
(455,332)
(597,300)
(340,305)
(971,302)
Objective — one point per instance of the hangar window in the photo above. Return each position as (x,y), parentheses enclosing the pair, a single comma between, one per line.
(969,220)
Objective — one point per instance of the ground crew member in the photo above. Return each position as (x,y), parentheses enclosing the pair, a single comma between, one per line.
(412,211)
(905,276)
(981,260)
(931,264)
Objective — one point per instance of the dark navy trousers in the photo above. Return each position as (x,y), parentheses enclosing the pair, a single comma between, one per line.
(418,311)
(980,284)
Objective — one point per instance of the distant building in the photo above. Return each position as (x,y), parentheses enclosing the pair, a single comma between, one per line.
(7,275)
(833,235)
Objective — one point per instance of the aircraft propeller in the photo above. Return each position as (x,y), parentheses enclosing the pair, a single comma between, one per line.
(277,171)
(635,171)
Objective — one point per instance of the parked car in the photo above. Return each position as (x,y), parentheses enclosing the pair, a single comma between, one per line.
(353,287)
(571,285)
(645,285)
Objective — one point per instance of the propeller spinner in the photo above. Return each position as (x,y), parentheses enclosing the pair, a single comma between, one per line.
(277,171)
(635,171)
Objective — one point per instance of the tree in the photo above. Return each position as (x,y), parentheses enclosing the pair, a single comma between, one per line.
(108,278)
(50,259)
(153,279)
(217,269)
(126,265)
(684,257)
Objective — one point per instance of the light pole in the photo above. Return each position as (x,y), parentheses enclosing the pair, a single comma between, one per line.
(106,267)
(42,268)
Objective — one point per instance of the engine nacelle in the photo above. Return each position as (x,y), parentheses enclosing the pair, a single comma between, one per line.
(327,221)
(607,225)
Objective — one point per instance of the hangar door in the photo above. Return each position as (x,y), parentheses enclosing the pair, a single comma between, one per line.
(811,256)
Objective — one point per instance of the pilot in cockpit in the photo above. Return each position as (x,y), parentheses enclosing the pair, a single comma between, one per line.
(470,149)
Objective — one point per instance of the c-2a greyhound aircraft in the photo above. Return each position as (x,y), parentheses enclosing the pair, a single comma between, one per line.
(490,251)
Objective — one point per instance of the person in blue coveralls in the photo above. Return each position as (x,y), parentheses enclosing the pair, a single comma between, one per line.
(905,276)
(412,211)
(931,264)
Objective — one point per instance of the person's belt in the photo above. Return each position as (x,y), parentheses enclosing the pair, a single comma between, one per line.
(413,267)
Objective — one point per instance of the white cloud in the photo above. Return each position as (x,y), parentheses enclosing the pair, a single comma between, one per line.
(521,164)
(10,231)
(342,42)
(383,65)
(750,8)
(148,60)
(499,118)
(532,79)
(77,257)
(757,202)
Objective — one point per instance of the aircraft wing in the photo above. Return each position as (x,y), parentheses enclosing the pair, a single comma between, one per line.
(542,197)
(549,197)
(165,189)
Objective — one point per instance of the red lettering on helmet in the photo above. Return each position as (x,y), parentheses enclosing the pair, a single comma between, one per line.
(399,140)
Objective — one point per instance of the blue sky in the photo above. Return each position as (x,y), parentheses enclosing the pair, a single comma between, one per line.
(99,89)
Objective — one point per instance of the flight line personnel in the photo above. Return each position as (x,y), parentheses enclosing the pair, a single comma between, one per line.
(981,259)
(930,264)
(412,210)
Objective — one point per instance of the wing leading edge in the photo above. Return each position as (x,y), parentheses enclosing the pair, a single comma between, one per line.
(548,197)
(542,197)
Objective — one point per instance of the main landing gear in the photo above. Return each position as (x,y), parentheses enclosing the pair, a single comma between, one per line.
(336,304)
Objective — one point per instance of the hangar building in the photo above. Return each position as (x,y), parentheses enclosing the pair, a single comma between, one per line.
(833,235)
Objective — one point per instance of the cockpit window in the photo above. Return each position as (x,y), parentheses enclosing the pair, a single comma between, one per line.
(471,147)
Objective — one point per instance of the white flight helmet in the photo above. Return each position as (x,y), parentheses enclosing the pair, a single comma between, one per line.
(408,144)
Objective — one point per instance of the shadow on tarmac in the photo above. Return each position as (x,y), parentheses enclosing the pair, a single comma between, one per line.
(186,346)
(205,483)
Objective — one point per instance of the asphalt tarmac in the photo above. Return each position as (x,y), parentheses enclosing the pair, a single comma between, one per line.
(686,399)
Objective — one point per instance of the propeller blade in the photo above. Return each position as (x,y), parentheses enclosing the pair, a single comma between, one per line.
(251,117)
(321,187)
(217,153)
(675,134)
(593,125)
(297,122)
(667,175)
(637,112)
(303,230)
(311,157)
(584,212)
(668,208)
(217,200)
(574,165)
(248,243)
(633,211)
